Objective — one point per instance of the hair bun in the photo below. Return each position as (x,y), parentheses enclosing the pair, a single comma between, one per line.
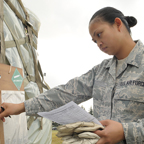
(131,21)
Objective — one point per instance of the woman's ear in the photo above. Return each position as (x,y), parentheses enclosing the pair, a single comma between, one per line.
(118,23)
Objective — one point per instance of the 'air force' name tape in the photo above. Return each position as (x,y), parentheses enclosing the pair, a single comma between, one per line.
(132,82)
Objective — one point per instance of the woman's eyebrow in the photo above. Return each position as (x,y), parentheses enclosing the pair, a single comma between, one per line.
(94,33)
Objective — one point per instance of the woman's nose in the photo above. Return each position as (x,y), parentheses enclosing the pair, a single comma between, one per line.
(99,43)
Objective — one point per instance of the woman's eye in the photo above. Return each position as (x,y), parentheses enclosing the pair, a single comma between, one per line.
(95,41)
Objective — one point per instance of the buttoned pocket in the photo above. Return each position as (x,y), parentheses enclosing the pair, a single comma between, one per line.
(129,103)
(130,93)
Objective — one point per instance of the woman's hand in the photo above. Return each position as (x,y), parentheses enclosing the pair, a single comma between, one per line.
(11,109)
(112,133)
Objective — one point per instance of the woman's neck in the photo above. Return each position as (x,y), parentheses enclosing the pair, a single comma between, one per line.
(125,49)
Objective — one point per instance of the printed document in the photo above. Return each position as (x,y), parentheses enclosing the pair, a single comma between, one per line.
(69,113)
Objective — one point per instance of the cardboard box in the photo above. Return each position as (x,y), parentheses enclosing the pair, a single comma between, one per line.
(11,78)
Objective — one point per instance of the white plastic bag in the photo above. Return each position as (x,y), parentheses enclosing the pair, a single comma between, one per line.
(15,128)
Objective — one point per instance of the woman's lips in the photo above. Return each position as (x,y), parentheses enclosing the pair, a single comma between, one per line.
(104,49)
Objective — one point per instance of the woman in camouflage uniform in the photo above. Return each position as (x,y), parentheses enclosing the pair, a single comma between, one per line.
(116,85)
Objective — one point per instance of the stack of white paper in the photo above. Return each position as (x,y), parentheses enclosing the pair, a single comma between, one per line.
(69,113)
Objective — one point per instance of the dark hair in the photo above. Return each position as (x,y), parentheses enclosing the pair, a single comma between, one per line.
(109,14)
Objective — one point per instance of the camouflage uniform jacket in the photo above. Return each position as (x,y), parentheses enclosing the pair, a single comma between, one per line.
(120,98)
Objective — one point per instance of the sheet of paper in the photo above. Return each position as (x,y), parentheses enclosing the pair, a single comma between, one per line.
(69,113)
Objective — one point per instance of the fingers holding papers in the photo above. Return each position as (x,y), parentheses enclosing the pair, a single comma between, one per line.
(112,133)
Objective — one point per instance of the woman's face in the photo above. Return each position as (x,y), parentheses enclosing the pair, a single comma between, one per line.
(105,35)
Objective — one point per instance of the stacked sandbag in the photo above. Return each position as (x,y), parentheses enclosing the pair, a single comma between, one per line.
(79,133)
(18,47)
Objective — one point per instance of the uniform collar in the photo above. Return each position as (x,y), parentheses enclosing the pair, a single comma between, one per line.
(134,58)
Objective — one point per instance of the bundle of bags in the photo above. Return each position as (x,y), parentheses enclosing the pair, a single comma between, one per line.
(19,29)
(79,133)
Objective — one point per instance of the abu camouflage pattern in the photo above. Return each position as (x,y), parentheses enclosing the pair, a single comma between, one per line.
(118,97)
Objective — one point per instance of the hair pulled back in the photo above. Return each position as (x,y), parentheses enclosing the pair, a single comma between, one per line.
(109,14)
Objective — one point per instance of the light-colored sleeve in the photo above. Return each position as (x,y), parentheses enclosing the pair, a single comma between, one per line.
(134,132)
(78,90)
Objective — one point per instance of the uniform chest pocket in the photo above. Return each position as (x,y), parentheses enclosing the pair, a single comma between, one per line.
(131,93)
(129,103)
(99,90)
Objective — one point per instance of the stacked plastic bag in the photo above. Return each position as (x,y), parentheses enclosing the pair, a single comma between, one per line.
(18,42)
(79,133)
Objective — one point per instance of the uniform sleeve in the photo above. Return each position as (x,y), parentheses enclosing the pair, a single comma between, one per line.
(134,132)
(78,90)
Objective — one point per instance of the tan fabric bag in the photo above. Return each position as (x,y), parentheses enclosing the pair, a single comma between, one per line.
(79,133)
